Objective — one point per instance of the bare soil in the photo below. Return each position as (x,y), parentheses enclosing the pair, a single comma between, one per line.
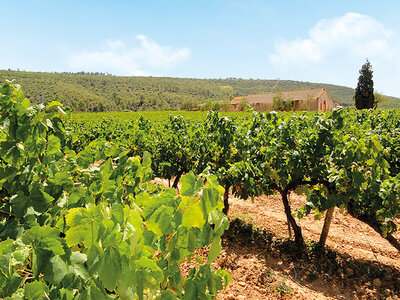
(264,264)
(357,263)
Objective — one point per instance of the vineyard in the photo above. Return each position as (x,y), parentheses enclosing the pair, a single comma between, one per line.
(83,216)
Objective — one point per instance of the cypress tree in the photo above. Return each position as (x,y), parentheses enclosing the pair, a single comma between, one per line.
(364,97)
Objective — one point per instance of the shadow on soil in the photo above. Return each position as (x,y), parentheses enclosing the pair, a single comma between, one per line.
(320,269)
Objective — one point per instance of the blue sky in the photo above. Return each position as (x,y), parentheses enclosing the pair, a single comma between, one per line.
(318,41)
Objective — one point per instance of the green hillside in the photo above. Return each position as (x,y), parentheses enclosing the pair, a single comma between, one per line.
(103,92)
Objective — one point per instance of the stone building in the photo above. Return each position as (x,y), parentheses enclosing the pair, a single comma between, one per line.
(311,99)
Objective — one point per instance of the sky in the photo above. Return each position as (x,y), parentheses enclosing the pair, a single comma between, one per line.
(316,41)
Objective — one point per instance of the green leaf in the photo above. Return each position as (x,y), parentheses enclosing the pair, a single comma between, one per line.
(20,204)
(125,286)
(21,108)
(210,200)
(92,293)
(53,104)
(190,185)
(96,188)
(36,291)
(58,269)
(221,222)
(160,220)
(77,265)
(79,234)
(377,147)
(44,237)
(168,295)
(25,103)
(76,196)
(215,250)
(193,214)
(226,276)
(63,179)
(118,213)
(66,294)
(370,161)
(84,225)
(39,199)
(53,145)
(191,290)
(110,268)
(151,267)
(6,248)
(21,254)
(11,286)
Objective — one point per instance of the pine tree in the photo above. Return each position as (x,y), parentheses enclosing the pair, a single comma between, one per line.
(364,97)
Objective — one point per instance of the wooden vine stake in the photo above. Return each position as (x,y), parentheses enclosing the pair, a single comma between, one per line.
(325,228)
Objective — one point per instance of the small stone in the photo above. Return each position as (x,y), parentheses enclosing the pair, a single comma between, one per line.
(241,297)
(361,290)
(231,297)
(259,289)
(377,282)
(241,283)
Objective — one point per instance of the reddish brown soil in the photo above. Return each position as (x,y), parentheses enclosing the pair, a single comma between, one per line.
(267,272)
(359,263)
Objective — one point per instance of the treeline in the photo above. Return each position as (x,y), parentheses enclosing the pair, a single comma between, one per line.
(95,92)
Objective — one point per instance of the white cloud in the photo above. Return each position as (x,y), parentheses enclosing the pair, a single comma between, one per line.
(142,58)
(353,34)
(334,50)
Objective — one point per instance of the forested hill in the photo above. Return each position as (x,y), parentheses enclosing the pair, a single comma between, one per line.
(102,92)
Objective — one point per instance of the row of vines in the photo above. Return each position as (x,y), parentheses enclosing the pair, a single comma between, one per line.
(71,228)
(344,158)
(81,217)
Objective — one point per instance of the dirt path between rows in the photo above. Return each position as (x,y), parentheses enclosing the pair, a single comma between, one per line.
(356,264)
(359,263)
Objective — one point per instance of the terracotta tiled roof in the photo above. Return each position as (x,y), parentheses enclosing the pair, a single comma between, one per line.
(286,95)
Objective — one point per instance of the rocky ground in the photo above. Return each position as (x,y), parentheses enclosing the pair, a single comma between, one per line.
(357,263)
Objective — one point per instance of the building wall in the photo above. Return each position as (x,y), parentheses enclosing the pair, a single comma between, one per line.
(261,106)
(309,105)
(325,102)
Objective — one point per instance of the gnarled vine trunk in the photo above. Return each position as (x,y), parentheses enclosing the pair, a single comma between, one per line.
(226,201)
(177,178)
(298,236)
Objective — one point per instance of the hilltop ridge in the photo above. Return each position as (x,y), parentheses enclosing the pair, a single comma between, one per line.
(104,92)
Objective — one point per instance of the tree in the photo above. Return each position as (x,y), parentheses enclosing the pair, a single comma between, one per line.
(379,99)
(280,104)
(364,96)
